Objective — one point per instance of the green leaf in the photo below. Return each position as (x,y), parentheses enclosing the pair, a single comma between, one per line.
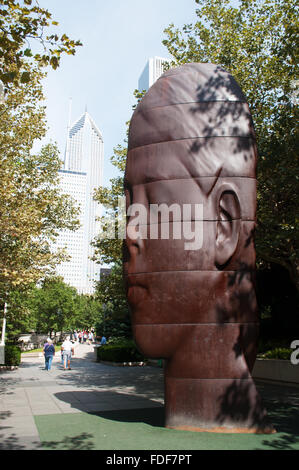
(25,77)
(28,53)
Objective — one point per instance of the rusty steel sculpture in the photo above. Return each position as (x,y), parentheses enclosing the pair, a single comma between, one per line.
(192,146)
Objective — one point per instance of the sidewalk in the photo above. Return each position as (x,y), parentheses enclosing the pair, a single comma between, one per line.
(97,406)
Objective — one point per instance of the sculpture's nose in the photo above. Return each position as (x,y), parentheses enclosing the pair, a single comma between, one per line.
(132,249)
(134,244)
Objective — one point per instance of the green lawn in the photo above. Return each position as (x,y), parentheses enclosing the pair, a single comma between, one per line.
(57,348)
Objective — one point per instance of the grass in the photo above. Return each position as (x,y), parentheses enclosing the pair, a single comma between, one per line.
(57,348)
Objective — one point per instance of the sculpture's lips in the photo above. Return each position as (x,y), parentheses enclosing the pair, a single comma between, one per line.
(136,292)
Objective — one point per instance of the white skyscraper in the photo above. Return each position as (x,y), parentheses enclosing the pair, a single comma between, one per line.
(154,68)
(82,173)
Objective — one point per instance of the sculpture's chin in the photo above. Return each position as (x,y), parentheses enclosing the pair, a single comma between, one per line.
(157,340)
(148,342)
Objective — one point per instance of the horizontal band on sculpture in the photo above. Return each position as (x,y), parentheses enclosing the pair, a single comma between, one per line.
(145,108)
(247,136)
(218,271)
(187,179)
(193,220)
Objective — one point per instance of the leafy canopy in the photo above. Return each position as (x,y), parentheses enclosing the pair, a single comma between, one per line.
(32,206)
(25,38)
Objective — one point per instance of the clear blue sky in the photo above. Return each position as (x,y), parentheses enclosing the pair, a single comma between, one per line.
(118,37)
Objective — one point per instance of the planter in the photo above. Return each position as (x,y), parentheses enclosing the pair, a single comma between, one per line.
(95,350)
(277,370)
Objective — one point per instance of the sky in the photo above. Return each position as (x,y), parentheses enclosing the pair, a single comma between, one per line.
(118,37)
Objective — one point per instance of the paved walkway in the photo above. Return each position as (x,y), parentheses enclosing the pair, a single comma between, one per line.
(89,386)
(39,406)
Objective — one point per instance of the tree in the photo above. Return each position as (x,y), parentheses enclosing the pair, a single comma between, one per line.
(55,306)
(114,319)
(257,43)
(110,292)
(21,314)
(86,314)
(22,30)
(108,245)
(32,207)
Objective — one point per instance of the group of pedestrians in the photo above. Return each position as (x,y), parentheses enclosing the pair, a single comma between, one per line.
(67,349)
(84,336)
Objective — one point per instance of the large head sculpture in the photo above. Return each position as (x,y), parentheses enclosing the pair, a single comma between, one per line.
(189,258)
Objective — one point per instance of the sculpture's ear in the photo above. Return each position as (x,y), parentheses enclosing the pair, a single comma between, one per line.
(228,227)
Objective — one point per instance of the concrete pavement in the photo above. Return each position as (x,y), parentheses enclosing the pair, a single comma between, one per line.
(39,409)
(31,391)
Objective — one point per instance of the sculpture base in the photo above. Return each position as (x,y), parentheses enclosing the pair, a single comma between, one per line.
(225,430)
(215,405)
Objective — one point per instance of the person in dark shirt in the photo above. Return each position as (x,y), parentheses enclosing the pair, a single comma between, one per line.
(49,353)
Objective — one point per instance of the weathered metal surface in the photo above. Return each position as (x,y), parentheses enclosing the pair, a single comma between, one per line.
(192,297)
(192,141)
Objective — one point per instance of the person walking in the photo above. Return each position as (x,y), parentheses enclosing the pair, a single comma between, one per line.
(67,349)
(85,336)
(49,353)
(90,337)
(80,335)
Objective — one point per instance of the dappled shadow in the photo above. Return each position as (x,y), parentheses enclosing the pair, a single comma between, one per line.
(284,442)
(11,442)
(241,405)
(80,442)
(7,384)
(221,106)
(219,80)
(3,415)
(282,402)
(224,116)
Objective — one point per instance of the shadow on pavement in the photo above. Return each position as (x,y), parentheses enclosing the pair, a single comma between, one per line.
(282,403)
(130,408)
(150,416)
(80,442)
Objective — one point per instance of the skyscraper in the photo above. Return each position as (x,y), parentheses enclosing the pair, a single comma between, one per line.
(82,173)
(154,68)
